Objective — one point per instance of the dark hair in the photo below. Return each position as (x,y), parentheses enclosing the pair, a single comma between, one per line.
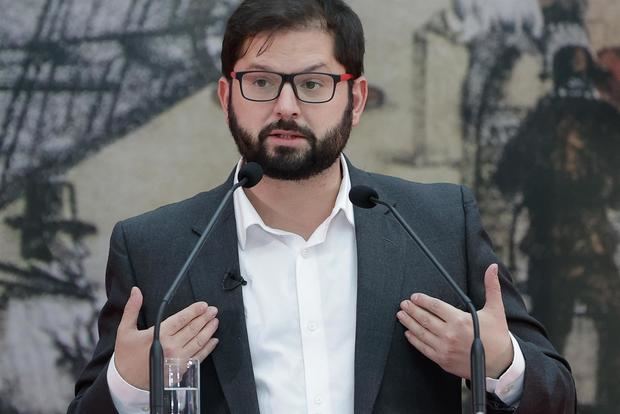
(271,16)
(563,69)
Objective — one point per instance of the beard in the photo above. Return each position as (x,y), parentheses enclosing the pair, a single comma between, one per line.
(290,163)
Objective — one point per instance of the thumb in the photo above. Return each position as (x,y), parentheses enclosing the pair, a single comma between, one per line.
(132,309)
(492,289)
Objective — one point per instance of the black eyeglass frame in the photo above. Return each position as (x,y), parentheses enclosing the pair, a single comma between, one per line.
(288,78)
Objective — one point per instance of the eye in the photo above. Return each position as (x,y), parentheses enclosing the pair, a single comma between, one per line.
(311,85)
(261,83)
(312,82)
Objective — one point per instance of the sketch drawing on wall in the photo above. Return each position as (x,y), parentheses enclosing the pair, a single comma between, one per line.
(75,76)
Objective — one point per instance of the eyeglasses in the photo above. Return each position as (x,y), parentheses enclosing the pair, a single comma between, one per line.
(309,87)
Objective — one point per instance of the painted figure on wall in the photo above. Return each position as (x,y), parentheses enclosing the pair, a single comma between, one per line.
(559,172)
(563,164)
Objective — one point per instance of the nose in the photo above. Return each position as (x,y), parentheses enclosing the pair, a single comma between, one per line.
(287,105)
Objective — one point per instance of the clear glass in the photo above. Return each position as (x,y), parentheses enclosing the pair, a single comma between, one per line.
(312,87)
(181,386)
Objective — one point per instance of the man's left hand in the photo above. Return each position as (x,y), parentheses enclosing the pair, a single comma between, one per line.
(444,333)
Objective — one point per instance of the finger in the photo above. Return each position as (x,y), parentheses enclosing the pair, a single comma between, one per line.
(206,350)
(426,350)
(202,339)
(179,320)
(129,320)
(423,317)
(423,334)
(493,289)
(192,329)
(435,306)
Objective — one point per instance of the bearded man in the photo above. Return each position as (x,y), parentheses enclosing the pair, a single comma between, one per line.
(339,311)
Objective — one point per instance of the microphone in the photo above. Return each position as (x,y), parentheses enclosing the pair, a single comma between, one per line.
(232,280)
(249,175)
(366,197)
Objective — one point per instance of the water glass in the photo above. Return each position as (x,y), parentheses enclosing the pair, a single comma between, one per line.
(181,386)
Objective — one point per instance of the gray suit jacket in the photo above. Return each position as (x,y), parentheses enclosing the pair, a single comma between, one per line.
(390,375)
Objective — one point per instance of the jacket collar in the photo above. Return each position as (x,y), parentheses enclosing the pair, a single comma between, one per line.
(380,249)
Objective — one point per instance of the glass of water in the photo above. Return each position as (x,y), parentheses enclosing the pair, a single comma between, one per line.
(181,386)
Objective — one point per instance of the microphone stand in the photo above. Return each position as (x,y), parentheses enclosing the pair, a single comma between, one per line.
(478,374)
(249,175)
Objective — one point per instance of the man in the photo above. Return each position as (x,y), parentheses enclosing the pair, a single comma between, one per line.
(341,312)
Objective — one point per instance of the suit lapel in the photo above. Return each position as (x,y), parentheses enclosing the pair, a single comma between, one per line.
(231,357)
(380,249)
(381,246)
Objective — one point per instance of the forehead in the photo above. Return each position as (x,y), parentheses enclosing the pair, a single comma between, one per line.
(289,51)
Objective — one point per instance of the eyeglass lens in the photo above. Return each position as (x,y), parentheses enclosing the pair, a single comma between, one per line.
(310,87)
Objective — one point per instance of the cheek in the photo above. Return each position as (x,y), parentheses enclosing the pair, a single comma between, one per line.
(323,117)
(330,121)
(251,116)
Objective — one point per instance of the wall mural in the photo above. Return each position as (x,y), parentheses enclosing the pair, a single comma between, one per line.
(78,75)
(74,77)
(551,169)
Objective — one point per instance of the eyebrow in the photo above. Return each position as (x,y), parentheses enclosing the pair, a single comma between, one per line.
(270,69)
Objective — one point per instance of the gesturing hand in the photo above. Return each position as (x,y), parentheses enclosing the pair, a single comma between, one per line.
(188,333)
(444,333)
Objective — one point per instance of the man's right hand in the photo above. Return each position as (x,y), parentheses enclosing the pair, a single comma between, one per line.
(186,334)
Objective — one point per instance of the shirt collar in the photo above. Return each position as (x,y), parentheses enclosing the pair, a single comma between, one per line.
(246,215)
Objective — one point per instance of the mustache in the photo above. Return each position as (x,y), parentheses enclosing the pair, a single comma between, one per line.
(288,125)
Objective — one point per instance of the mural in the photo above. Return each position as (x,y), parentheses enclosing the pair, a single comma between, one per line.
(537,133)
(563,165)
(74,77)
(550,169)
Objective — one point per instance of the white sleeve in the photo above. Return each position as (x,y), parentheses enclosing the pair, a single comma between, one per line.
(509,386)
(127,398)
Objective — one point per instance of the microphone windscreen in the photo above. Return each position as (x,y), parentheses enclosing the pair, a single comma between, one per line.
(252,172)
(362,196)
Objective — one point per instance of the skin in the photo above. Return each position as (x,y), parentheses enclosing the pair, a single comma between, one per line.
(300,207)
(295,206)
(444,333)
(188,333)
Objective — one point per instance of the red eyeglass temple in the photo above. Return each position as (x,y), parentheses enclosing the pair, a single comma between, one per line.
(344,77)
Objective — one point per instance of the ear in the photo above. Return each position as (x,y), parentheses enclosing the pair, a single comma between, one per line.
(360,95)
(223,92)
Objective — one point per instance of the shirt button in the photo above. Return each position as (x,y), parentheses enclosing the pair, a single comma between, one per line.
(146,409)
(318,400)
(313,326)
(305,253)
(507,389)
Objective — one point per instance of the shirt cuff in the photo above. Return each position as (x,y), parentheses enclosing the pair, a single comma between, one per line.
(127,399)
(509,387)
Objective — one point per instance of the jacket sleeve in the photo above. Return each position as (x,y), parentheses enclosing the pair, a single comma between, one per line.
(92,394)
(548,386)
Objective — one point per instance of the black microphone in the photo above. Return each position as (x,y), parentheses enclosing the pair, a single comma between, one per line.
(366,197)
(249,175)
(232,280)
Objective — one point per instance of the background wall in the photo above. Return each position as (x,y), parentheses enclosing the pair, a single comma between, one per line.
(107,109)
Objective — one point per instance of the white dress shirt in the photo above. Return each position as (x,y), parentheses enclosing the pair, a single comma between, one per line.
(300,309)
(301,313)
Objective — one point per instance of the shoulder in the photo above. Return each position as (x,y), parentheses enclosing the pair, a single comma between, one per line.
(412,193)
(434,205)
(166,219)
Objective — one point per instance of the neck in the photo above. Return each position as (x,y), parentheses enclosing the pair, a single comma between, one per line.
(297,206)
